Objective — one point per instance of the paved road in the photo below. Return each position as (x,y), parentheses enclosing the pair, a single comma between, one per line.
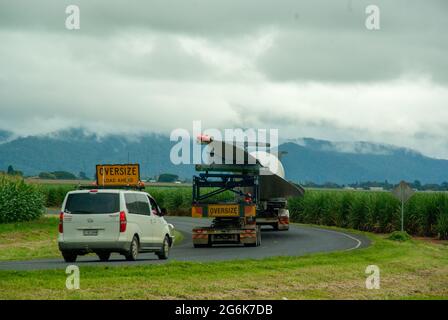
(299,240)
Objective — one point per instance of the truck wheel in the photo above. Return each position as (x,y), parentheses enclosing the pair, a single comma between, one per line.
(104,256)
(69,256)
(164,253)
(132,254)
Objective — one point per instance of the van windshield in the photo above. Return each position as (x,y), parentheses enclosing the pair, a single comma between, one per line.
(90,203)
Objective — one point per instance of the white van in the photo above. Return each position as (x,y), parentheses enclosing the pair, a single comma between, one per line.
(112,220)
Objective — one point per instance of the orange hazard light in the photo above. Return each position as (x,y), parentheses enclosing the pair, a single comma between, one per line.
(250,211)
(196,212)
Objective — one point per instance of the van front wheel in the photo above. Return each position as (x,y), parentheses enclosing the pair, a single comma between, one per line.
(164,253)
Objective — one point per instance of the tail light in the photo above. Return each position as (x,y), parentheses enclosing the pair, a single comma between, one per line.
(61,220)
(250,211)
(123,221)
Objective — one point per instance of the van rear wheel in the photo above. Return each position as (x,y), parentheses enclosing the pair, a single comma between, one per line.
(132,254)
(69,256)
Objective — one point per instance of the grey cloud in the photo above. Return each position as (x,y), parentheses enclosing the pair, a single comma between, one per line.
(164,60)
(222,17)
(322,40)
(356,54)
(307,67)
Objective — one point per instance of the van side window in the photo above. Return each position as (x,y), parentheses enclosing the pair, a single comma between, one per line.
(143,204)
(154,207)
(131,203)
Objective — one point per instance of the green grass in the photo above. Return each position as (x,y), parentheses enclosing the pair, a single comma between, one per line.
(35,239)
(409,270)
(29,240)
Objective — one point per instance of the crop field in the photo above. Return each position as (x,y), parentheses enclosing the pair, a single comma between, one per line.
(426,214)
(19,201)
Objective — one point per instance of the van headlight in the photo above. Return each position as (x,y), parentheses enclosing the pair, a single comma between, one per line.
(171,228)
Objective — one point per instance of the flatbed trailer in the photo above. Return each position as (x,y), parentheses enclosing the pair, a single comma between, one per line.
(233,222)
(275,214)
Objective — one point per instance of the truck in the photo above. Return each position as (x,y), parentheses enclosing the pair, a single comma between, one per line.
(233,222)
(259,198)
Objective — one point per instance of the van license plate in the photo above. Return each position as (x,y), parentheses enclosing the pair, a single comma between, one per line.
(90,232)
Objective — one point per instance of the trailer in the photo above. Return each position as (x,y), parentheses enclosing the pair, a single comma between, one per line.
(232,222)
(274,213)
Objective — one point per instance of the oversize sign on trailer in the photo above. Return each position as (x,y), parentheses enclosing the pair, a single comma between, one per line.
(117,174)
(223,210)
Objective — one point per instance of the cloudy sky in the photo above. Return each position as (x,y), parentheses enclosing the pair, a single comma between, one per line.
(309,68)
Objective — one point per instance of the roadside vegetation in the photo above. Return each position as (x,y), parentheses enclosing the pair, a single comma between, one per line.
(177,200)
(19,201)
(408,270)
(54,194)
(426,214)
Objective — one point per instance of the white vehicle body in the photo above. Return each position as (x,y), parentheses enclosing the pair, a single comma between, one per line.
(112,220)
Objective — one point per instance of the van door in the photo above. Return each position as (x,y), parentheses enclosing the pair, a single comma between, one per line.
(158,221)
(92,216)
(140,215)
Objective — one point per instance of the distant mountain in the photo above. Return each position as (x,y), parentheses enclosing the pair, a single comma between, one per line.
(5,136)
(75,150)
(322,161)
(307,159)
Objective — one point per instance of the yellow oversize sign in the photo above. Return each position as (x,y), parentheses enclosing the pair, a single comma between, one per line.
(223,210)
(117,174)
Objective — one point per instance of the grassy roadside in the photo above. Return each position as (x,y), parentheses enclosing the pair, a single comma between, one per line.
(409,270)
(34,239)
(29,240)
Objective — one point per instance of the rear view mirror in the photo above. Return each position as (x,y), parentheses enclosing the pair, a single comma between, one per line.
(163,212)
